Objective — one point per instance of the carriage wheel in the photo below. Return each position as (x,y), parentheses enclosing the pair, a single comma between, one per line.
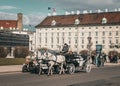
(71,68)
(57,69)
(24,68)
(87,67)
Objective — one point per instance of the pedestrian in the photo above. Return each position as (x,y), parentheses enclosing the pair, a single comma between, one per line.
(93,58)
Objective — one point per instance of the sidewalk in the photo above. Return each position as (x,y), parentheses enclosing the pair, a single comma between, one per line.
(10,68)
(18,68)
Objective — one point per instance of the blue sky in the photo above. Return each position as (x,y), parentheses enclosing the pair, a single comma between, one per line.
(34,11)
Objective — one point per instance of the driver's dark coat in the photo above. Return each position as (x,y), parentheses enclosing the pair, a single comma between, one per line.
(65,48)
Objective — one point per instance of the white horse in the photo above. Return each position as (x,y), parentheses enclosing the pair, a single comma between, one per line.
(54,60)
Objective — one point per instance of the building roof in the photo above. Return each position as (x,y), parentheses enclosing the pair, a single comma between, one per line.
(8,24)
(85,19)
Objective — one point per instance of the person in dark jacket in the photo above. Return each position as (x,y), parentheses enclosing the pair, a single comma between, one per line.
(65,48)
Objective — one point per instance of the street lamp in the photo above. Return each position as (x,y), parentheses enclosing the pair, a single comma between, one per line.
(77,22)
(89,45)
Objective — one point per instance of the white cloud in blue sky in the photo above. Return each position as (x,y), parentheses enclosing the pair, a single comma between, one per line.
(35,10)
(7,7)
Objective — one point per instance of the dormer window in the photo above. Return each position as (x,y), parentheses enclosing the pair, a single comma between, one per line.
(77,21)
(1,28)
(53,23)
(104,20)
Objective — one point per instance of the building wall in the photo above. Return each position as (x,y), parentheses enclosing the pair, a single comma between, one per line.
(76,37)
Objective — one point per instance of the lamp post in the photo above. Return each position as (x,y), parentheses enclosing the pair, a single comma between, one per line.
(89,45)
(77,22)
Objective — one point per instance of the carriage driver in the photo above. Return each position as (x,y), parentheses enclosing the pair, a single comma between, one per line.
(65,48)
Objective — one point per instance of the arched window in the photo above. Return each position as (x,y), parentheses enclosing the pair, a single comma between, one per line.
(104,20)
(53,23)
(77,21)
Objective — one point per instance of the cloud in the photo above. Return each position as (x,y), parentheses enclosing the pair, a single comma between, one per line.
(30,19)
(7,16)
(87,4)
(7,7)
(34,19)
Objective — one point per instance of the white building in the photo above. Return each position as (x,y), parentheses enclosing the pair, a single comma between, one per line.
(103,28)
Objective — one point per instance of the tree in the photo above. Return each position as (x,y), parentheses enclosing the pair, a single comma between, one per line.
(3,52)
(21,52)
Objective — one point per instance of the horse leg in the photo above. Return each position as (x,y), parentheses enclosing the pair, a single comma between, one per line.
(48,69)
(50,72)
(61,69)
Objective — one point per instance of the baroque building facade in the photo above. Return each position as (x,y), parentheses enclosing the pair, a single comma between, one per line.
(103,28)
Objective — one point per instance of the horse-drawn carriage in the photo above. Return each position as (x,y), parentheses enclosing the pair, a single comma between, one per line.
(76,62)
(50,60)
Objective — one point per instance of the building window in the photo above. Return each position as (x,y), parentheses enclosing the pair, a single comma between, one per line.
(46,34)
(77,21)
(63,33)
(103,33)
(103,41)
(52,40)
(104,20)
(82,46)
(51,46)
(52,34)
(116,33)
(110,33)
(89,33)
(82,41)
(69,33)
(110,27)
(69,42)
(58,34)
(45,39)
(96,42)
(76,40)
(40,39)
(53,23)
(75,46)
(57,40)
(62,40)
(110,41)
(117,41)
(82,33)
(96,33)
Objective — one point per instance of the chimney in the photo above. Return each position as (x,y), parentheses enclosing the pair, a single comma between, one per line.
(20,22)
